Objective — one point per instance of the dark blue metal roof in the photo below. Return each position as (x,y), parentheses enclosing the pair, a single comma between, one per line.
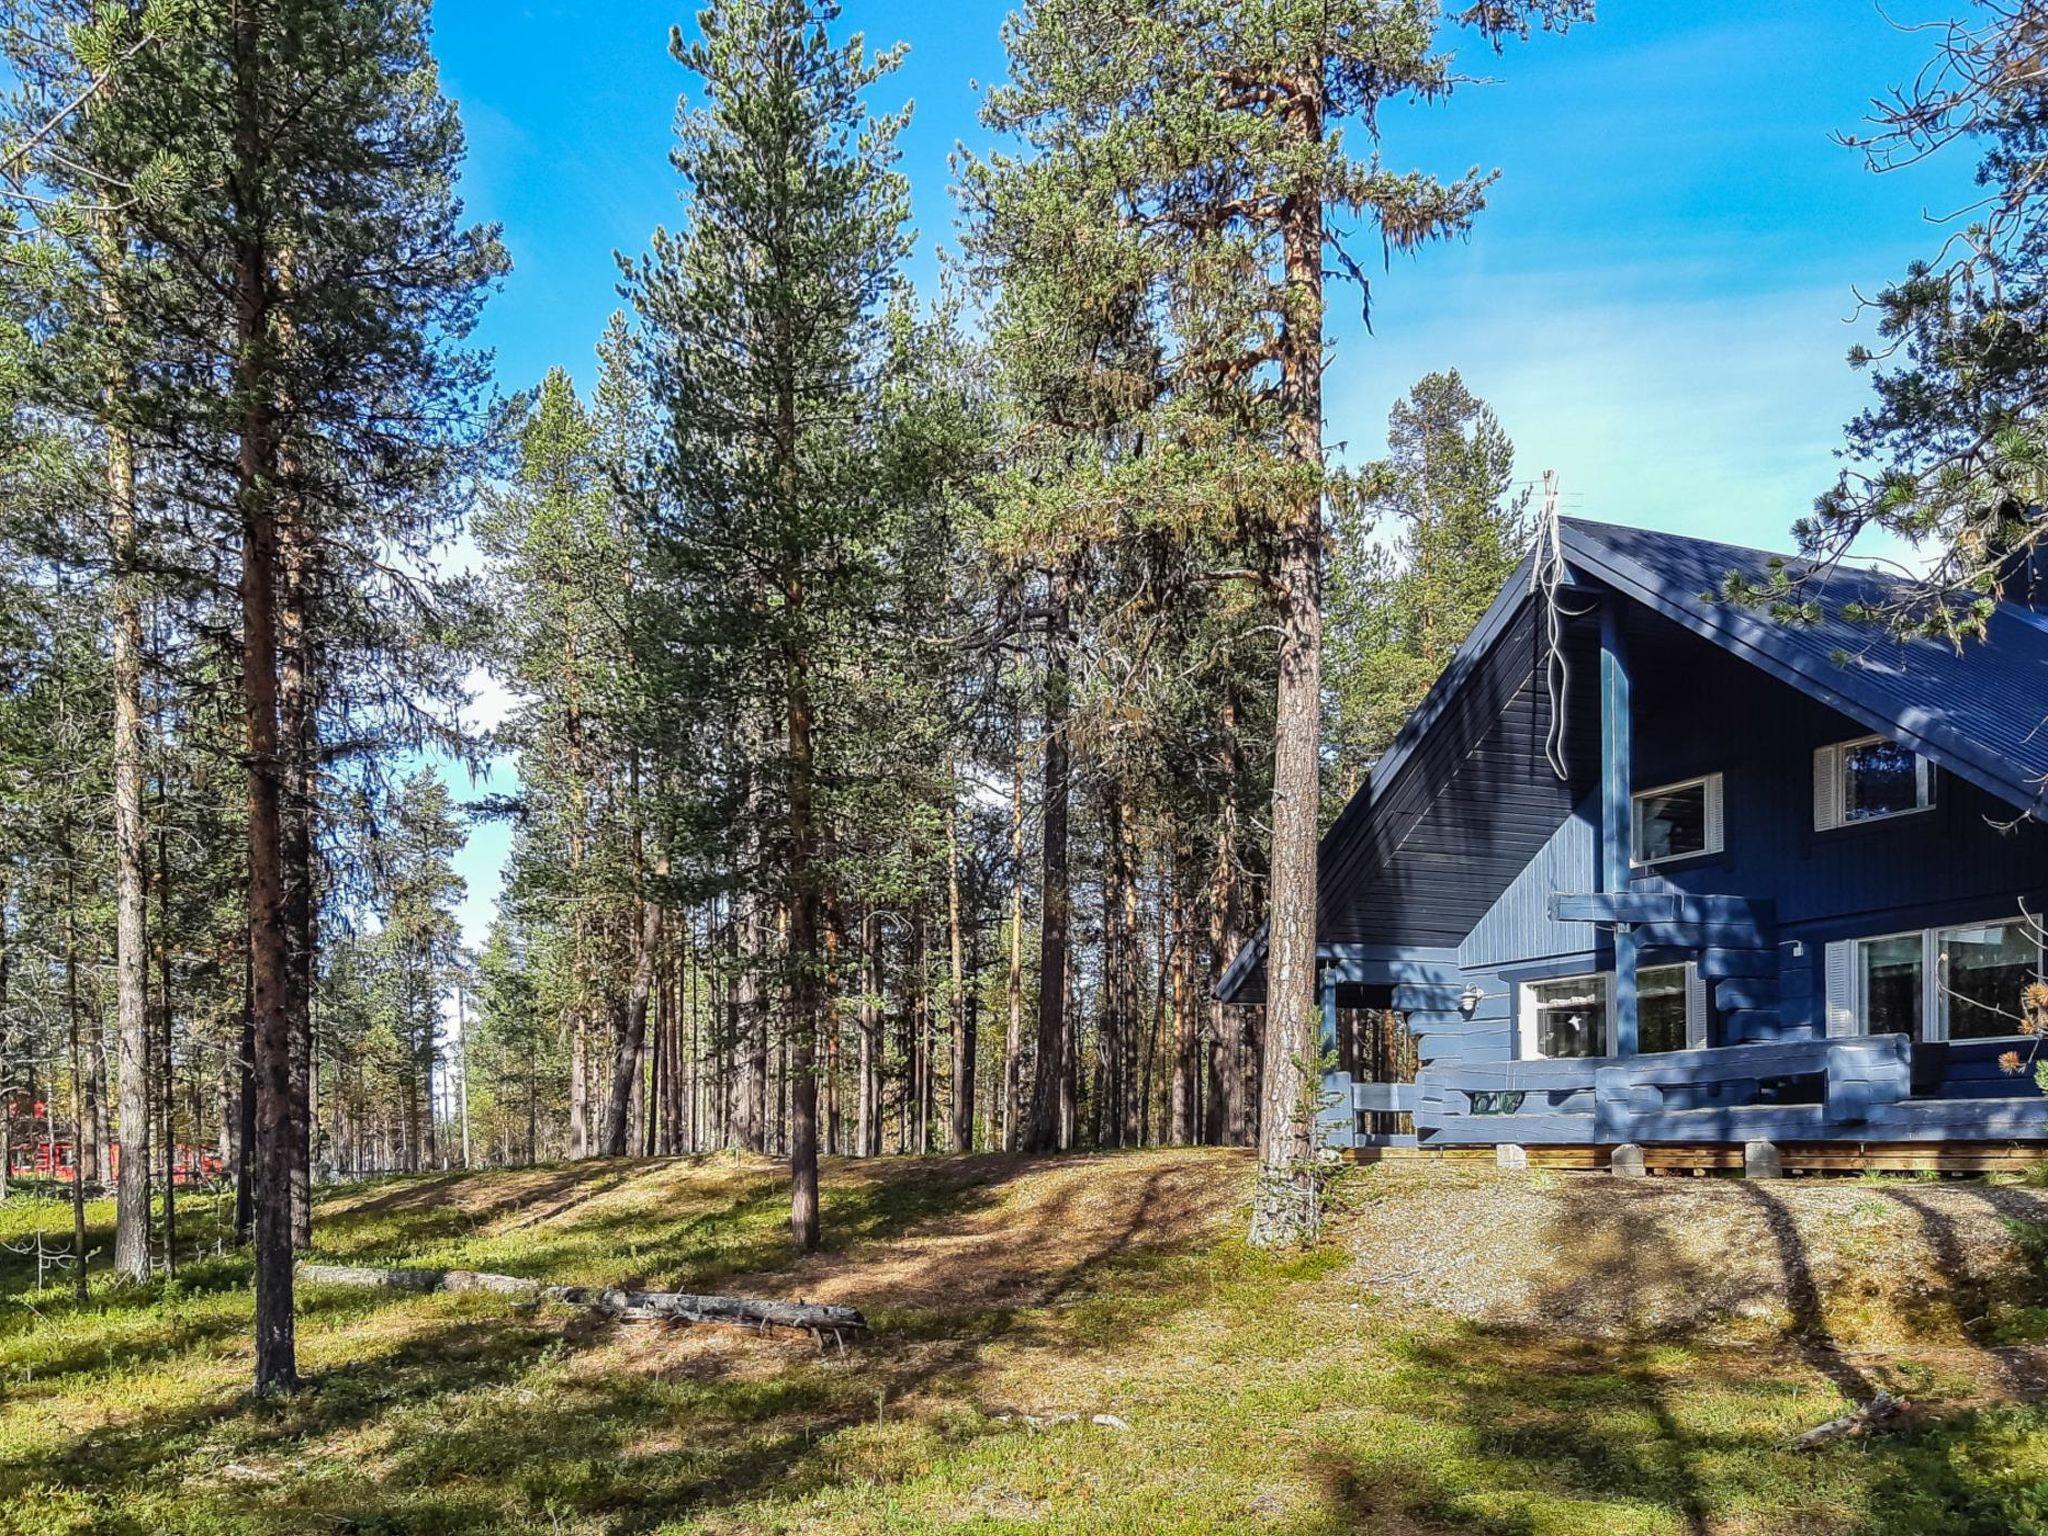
(1405,865)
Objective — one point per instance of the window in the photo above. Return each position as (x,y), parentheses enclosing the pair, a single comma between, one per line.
(1677,821)
(1891,979)
(1964,983)
(1984,972)
(1569,1016)
(1661,1008)
(1867,780)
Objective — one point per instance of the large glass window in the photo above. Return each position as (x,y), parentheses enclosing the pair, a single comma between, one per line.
(1985,969)
(1891,981)
(1678,820)
(1569,1016)
(1880,778)
(1660,1008)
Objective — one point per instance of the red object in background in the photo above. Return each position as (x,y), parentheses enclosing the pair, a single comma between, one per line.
(58,1159)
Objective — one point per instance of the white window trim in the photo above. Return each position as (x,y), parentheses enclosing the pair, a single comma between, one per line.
(1525,1009)
(1834,814)
(1525,1023)
(1715,824)
(1934,999)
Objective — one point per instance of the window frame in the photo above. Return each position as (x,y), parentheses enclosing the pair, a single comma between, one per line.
(1923,786)
(1938,1017)
(1527,1012)
(1698,1023)
(1934,991)
(1713,820)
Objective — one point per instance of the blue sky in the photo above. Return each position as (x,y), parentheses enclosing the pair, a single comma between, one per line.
(1657,301)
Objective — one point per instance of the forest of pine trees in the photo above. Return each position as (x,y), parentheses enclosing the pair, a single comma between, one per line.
(917,698)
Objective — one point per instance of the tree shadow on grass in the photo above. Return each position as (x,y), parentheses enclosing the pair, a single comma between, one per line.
(1609,1402)
(1605,1397)
(499,1422)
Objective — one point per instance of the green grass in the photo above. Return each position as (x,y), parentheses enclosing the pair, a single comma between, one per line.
(1263,1392)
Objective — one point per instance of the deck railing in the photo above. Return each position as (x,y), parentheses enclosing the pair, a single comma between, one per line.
(1775,1090)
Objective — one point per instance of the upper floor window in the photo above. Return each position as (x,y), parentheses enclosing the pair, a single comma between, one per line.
(1676,821)
(1867,779)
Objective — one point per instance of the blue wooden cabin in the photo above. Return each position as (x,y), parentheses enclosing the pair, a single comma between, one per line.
(1780,892)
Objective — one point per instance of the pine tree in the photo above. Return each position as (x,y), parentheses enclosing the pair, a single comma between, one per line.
(1949,456)
(314,261)
(763,320)
(1425,539)
(1194,155)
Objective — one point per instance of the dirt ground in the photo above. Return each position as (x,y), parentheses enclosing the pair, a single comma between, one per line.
(1591,1254)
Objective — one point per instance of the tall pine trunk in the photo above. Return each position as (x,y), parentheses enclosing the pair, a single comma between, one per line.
(1013,1026)
(803,957)
(626,1065)
(1051,1093)
(298,723)
(1284,1207)
(269,943)
(131,940)
(960,1128)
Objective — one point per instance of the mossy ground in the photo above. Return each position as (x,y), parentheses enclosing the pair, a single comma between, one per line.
(1261,1392)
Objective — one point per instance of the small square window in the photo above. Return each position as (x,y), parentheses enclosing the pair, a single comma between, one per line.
(1677,821)
(1569,1017)
(1876,779)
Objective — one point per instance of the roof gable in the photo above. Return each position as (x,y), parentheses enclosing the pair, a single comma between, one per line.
(1969,711)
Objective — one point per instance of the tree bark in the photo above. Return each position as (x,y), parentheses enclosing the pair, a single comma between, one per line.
(750,1083)
(1050,1090)
(1185,1101)
(960,1136)
(1013,1028)
(1284,1208)
(803,959)
(269,960)
(626,1066)
(131,940)
(298,724)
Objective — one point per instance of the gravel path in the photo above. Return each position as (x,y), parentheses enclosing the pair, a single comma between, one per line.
(1588,1253)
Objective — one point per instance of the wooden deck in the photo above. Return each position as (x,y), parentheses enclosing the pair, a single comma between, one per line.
(1799,1158)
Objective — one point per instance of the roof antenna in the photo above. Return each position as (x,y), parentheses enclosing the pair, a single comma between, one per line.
(1547,576)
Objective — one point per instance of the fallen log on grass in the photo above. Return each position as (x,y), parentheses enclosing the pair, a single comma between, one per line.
(1879,1411)
(815,1318)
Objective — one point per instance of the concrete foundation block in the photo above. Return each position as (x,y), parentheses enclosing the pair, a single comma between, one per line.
(1626,1161)
(1509,1155)
(1760,1160)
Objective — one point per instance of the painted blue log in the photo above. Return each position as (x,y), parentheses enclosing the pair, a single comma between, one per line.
(1958,1119)
(1447,997)
(1866,1074)
(1475,1029)
(1724,964)
(1751,1026)
(1525,1130)
(1385,1098)
(1660,907)
(1489,1010)
(1757,993)
(1336,1124)
(1448,1050)
(1709,935)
